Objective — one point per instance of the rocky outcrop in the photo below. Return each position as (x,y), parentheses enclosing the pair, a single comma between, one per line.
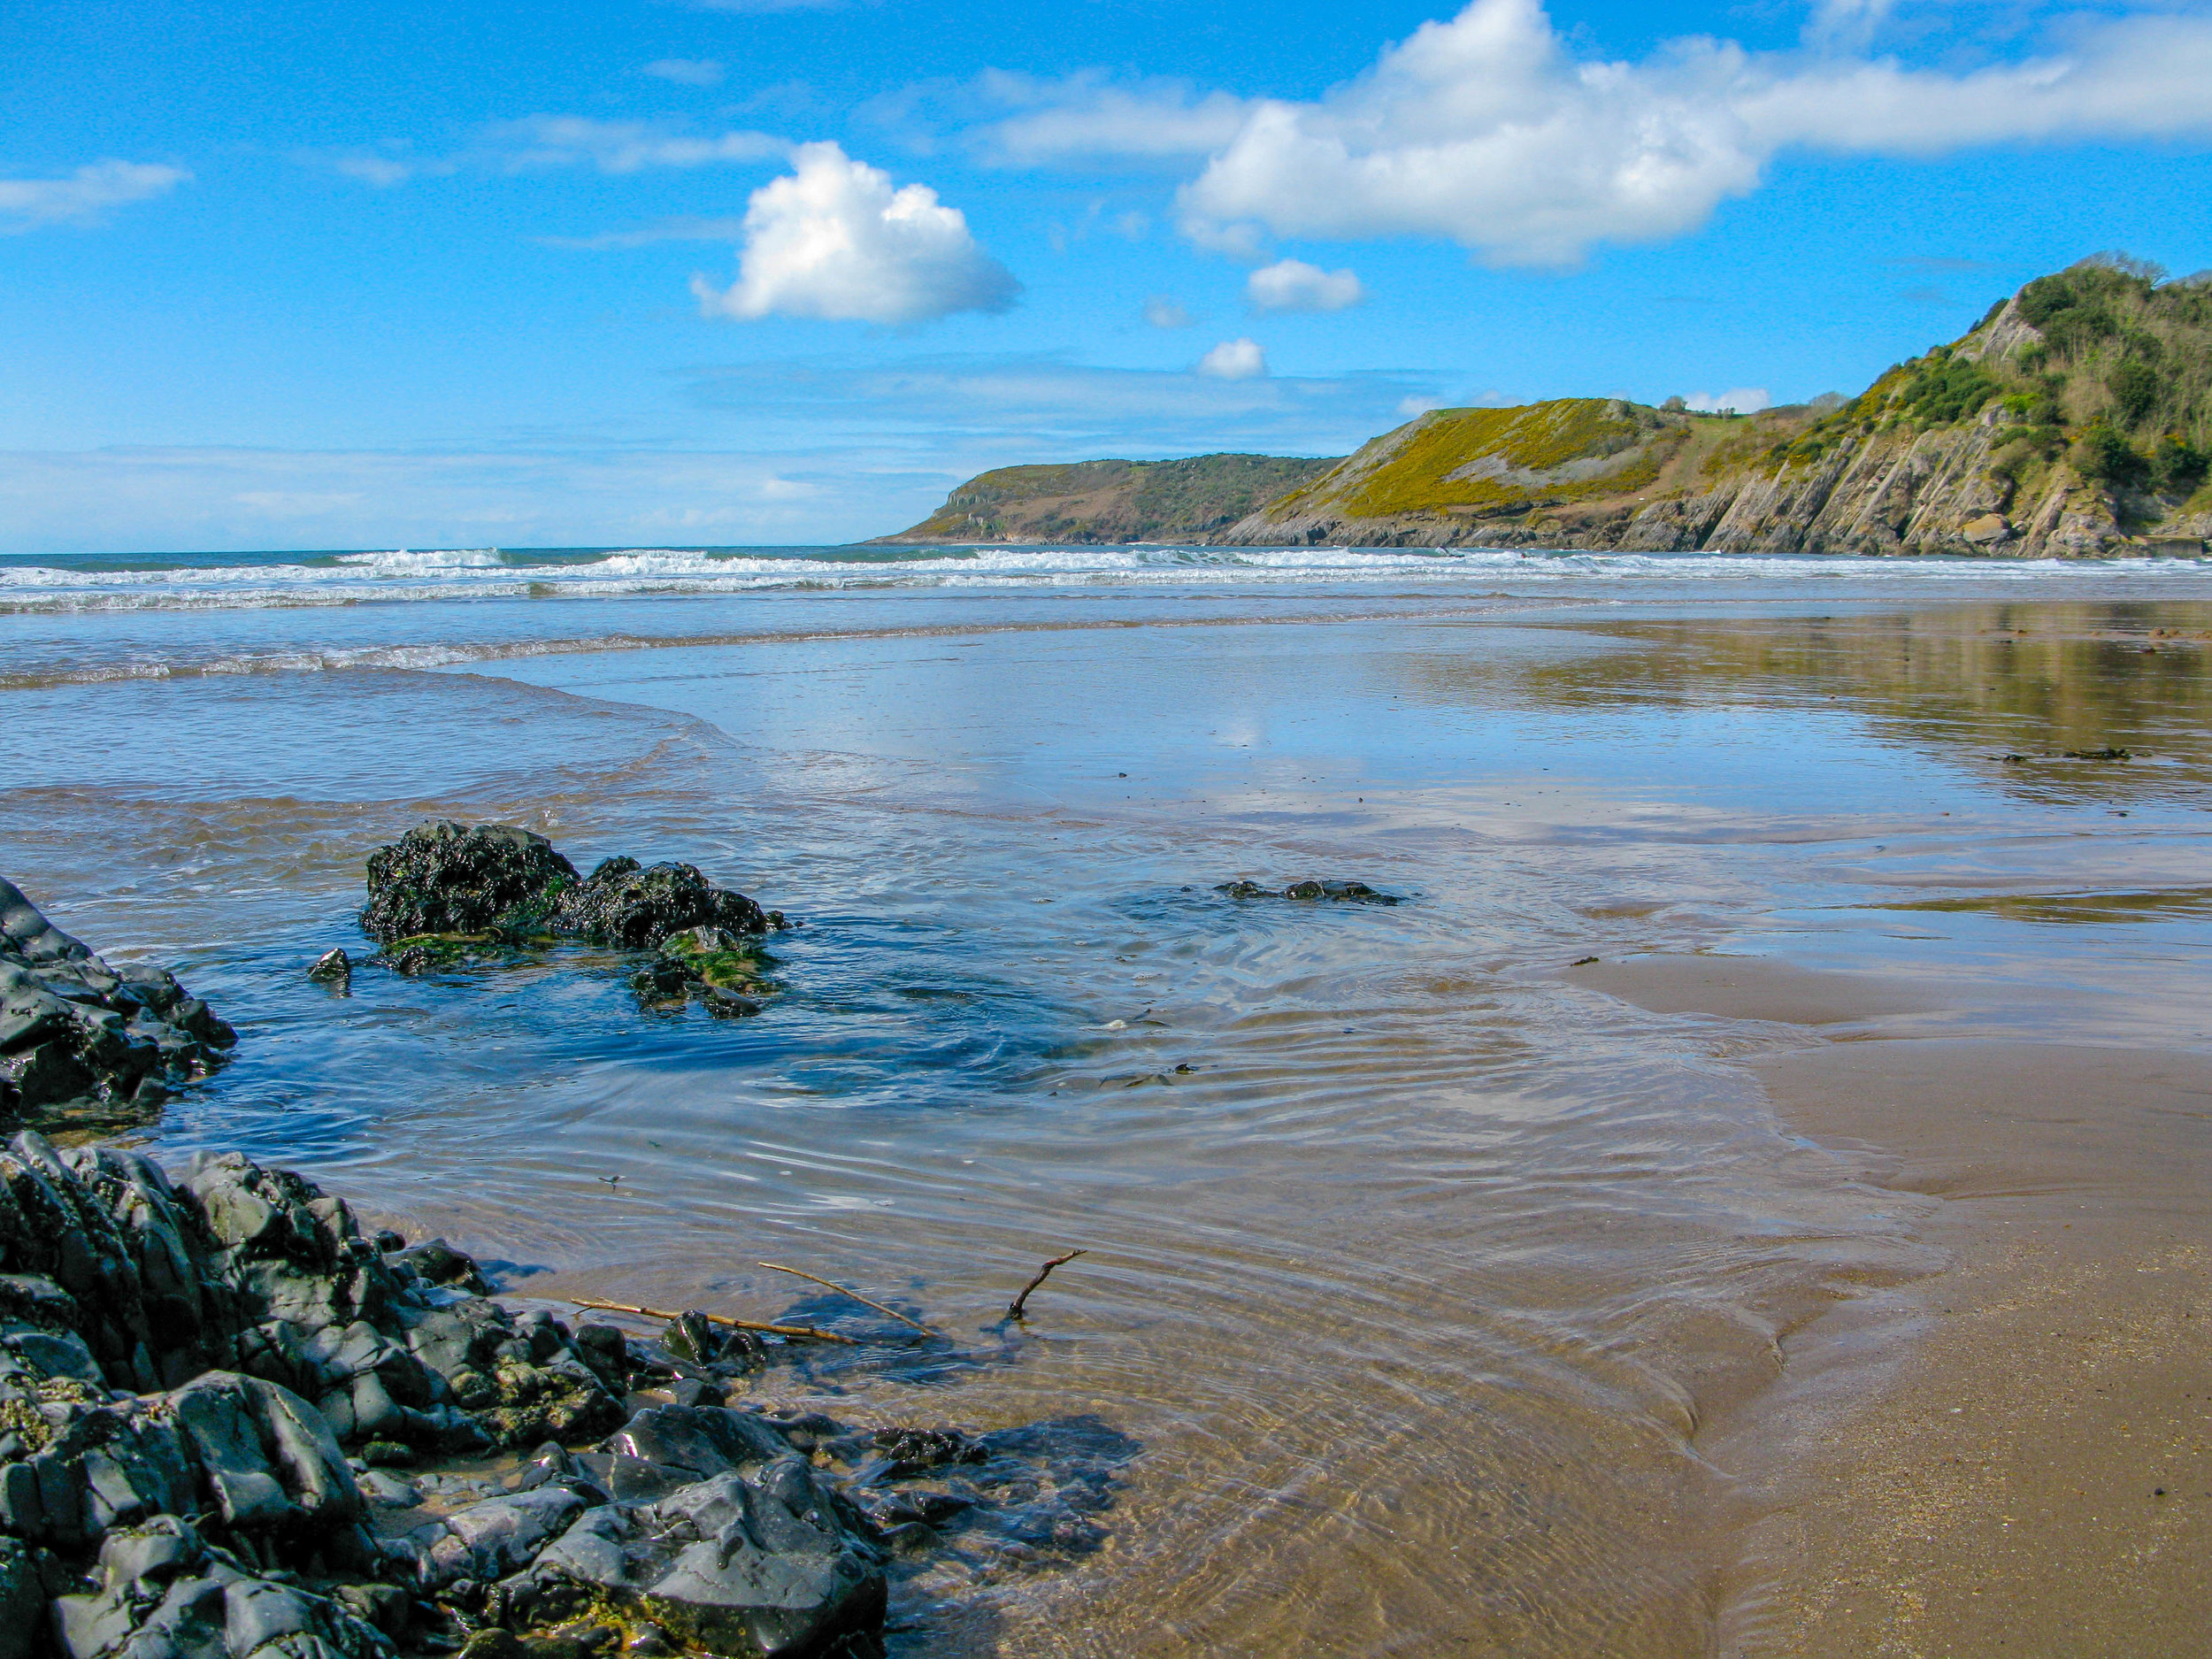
(1896,491)
(185,1360)
(1311,889)
(85,1046)
(445,891)
(124,1278)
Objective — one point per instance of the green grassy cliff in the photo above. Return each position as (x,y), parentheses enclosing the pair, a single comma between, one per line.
(2075,418)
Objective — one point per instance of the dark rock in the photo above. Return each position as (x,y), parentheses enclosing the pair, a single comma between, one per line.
(446,877)
(758,1563)
(1310,889)
(910,1451)
(444,891)
(435,1262)
(692,1336)
(165,1593)
(619,903)
(85,1046)
(332,967)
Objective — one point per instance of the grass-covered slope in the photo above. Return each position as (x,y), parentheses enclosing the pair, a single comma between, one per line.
(1111,501)
(2075,418)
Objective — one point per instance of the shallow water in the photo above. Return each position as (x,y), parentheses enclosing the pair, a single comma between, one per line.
(1413,1291)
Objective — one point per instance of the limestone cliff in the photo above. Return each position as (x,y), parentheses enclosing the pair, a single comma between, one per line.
(2074,419)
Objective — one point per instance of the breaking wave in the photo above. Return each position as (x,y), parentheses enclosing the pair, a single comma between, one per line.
(167,582)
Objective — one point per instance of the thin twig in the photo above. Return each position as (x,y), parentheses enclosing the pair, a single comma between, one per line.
(1014,1308)
(805,1331)
(778,1267)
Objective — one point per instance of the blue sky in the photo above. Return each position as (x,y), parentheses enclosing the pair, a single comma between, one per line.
(647,272)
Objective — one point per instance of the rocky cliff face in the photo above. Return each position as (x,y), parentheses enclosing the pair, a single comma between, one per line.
(1885,492)
(2074,420)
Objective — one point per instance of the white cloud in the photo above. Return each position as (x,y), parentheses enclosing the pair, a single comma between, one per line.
(1234,360)
(1417,406)
(1292,285)
(1162,312)
(567,140)
(834,240)
(1489,130)
(1083,116)
(84,197)
(685,71)
(1742,400)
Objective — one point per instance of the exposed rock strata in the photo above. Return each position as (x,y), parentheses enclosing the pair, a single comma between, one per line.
(2074,420)
(84,1045)
(185,1360)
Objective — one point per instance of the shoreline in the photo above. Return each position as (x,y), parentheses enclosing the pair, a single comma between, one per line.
(2013,1453)
(2034,1477)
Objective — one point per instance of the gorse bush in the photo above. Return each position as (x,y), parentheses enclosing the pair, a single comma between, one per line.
(1949,388)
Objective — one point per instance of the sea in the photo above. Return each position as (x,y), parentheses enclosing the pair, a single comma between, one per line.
(1420,1268)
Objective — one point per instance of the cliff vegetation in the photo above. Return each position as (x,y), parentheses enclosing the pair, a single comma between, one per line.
(2075,418)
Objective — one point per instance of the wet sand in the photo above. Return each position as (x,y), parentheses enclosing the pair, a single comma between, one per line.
(2023,1464)
(2037,1478)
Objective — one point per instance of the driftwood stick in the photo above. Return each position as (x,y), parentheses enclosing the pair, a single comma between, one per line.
(778,1267)
(805,1332)
(1014,1308)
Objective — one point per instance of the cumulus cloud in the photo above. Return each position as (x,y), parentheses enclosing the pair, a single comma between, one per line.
(685,71)
(1234,360)
(834,239)
(1742,400)
(1292,285)
(568,141)
(1488,129)
(1163,311)
(83,198)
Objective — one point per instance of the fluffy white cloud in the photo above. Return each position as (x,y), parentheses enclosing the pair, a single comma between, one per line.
(84,197)
(685,71)
(1234,360)
(834,239)
(568,141)
(1292,285)
(1742,400)
(1489,130)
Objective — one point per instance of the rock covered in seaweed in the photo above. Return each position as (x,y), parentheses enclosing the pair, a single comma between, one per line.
(624,903)
(443,888)
(447,878)
(86,1045)
(1309,890)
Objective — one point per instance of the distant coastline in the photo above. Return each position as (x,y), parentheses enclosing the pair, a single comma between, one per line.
(2074,420)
